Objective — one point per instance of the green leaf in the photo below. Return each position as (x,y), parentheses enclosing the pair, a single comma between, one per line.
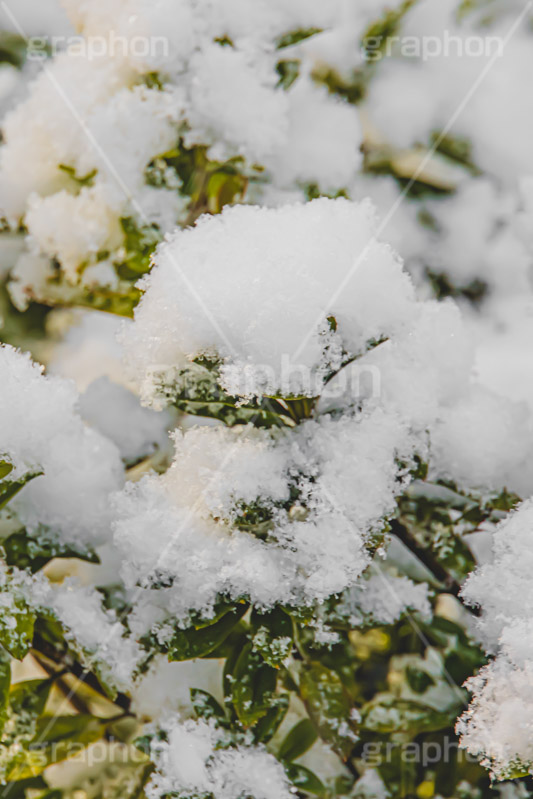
(294,37)
(253,685)
(17,790)
(16,625)
(13,49)
(85,180)
(5,469)
(232,644)
(272,635)
(385,713)
(267,726)
(206,706)
(82,727)
(418,679)
(288,70)
(387,26)
(305,780)
(298,740)
(56,739)
(329,706)
(197,391)
(144,743)
(139,244)
(195,643)
(5,681)
(30,696)
(10,488)
(28,552)
(238,642)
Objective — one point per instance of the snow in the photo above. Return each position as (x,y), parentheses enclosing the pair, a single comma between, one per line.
(345,472)
(41,430)
(275,295)
(191,762)
(323,255)
(226,99)
(382,598)
(116,413)
(497,723)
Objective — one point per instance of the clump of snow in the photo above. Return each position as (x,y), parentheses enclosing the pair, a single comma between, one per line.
(87,347)
(42,430)
(208,77)
(497,726)
(192,762)
(94,631)
(498,722)
(344,472)
(382,598)
(315,119)
(457,73)
(251,119)
(323,256)
(166,686)
(370,786)
(93,227)
(503,587)
(115,412)
(484,440)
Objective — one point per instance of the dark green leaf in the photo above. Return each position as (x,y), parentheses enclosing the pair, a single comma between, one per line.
(85,180)
(253,685)
(30,696)
(5,681)
(10,488)
(267,726)
(206,706)
(195,643)
(418,679)
(272,635)
(329,706)
(17,790)
(298,740)
(305,780)
(388,714)
(294,37)
(5,469)
(32,553)
(16,626)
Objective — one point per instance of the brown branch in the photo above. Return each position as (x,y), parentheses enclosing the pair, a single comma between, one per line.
(428,559)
